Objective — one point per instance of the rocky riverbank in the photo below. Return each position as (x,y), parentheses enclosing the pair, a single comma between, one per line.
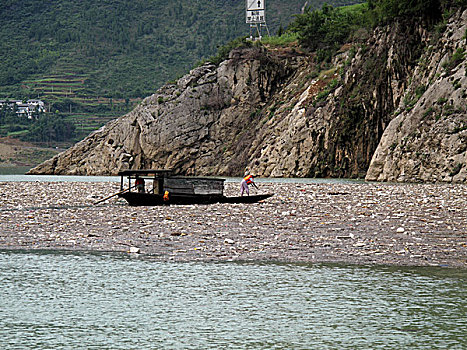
(362,223)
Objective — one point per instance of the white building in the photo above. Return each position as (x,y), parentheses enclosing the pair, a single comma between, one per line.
(24,108)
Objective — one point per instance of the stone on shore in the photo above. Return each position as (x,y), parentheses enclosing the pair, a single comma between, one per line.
(361,223)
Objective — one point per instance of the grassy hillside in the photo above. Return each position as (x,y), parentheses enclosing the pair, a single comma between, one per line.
(92,60)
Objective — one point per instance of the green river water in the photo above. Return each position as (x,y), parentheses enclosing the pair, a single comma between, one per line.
(57,300)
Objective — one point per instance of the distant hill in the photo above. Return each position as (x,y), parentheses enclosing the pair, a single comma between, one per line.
(116,49)
(373,91)
(92,60)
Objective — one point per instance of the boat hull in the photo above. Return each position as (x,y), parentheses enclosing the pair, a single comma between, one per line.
(150,199)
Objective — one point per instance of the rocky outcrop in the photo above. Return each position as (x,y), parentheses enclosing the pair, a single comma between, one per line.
(200,125)
(427,141)
(332,125)
(275,113)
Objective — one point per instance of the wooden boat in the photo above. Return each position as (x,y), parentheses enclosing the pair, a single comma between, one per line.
(159,187)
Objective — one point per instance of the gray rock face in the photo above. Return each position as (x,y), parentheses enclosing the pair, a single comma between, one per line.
(197,126)
(427,141)
(276,114)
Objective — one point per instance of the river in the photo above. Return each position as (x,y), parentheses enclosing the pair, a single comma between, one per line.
(16,174)
(62,300)
(58,300)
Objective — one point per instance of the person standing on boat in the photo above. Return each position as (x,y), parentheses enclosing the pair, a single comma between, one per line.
(247,180)
(139,184)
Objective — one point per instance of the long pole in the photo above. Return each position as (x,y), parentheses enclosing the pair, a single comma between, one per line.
(115,194)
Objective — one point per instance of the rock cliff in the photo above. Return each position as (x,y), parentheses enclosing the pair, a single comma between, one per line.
(427,140)
(389,108)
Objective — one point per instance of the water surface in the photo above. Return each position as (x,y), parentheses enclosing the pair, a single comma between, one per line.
(7,177)
(54,300)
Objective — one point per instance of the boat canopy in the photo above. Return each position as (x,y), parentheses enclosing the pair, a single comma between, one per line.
(146,173)
(162,181)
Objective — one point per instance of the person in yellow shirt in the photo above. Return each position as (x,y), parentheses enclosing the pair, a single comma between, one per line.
(247,180)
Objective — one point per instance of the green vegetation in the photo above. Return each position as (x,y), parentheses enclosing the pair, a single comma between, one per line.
(331,86)
(455,60)
(50,128)
(91,61)
(326,29)
(99,58)
(41,128)
(224,50)
(412,98)
(428,112)
(442,100)
(116,49)
(386,10)
(280,40)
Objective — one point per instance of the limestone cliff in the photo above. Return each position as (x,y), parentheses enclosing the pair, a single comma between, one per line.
(274,112)
(201,125)
(427,141)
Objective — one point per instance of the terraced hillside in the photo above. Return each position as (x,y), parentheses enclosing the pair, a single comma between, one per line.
(93,61)
(67,92)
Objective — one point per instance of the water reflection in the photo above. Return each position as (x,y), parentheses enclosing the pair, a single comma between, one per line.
(94,301)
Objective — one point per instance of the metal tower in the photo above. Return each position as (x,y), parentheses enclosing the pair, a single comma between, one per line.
(256,18)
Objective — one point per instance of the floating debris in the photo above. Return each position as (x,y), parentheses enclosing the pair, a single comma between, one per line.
(406,224)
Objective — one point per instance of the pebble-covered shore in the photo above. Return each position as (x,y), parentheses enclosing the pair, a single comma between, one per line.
(394,224)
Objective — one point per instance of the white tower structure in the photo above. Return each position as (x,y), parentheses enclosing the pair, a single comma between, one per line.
(256,18)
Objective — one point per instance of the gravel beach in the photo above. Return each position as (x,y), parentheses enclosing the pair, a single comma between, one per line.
(361,223)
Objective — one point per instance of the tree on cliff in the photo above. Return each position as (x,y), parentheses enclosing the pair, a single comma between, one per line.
(326,29)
